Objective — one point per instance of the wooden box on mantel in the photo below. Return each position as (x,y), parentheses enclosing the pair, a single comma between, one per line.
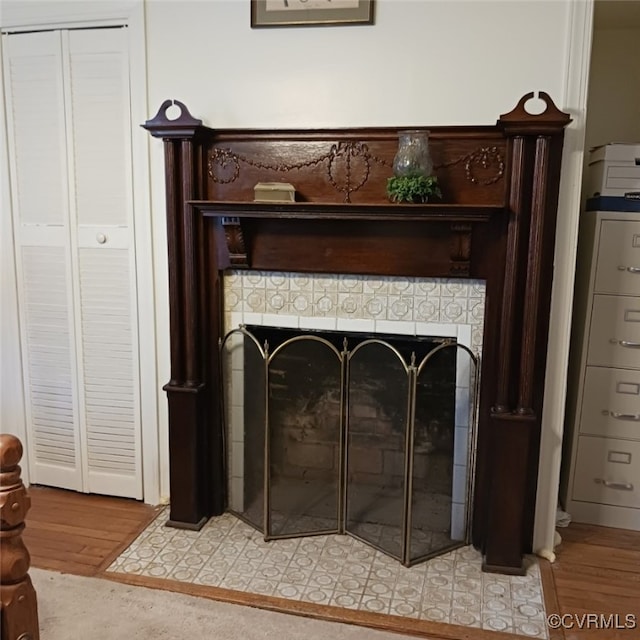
(274,192)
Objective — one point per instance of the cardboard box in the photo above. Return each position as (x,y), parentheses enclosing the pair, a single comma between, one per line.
(614,170)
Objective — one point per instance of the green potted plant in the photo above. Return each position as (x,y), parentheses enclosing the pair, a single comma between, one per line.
(412,179)
(413,189)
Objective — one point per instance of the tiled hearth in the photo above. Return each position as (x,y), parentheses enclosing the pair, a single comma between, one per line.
(342,572)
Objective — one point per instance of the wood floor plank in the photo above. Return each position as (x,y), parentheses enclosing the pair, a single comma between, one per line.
(598,572)
(600,634)
(551,604)
(623,583)
(79,533)
(73,542)
(58,528)
(83,515)
(574,600)
(70,547)
(46,497)
(601,536)
(582,554)
(44,539)
(84,521)
(51,496)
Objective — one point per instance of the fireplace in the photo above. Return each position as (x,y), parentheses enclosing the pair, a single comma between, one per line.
(496,224)
(341,432)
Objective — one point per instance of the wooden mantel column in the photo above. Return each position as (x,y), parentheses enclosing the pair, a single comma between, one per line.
(512,441)
(194,450)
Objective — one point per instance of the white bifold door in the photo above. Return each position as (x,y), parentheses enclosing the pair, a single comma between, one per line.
(67,94)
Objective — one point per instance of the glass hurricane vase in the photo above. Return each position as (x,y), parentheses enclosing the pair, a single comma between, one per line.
(413,157)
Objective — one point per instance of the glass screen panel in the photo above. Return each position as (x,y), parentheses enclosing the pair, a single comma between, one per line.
(376,443)
(244,375)
(439,475)
(305,380)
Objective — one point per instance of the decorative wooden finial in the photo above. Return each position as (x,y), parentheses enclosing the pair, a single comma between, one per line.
(162,126)
(17,595)
(549,121)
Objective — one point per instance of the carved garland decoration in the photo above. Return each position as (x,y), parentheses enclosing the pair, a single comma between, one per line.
(224,165)
(484,157)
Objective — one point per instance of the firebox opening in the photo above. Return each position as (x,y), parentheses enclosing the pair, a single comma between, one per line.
(334,432)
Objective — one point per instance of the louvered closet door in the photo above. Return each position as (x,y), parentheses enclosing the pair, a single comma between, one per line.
(98,117)
(36,119)
(100,263)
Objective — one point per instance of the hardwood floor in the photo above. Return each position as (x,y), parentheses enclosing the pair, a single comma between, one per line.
(597,569)
(79,533)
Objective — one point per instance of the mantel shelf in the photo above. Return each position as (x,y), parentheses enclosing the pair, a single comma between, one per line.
(330,211)
(435,239)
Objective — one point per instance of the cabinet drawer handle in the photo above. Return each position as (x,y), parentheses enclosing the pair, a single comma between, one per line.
(622,486)
(625,416)
(625,343)
(629,269)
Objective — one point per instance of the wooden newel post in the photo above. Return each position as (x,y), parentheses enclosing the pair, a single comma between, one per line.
(18,606)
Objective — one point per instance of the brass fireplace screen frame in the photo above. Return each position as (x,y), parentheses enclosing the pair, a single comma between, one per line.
(344,359)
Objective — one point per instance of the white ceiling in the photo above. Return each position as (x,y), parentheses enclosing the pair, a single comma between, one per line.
(617,14)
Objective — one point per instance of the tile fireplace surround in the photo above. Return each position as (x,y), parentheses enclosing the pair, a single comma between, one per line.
(436,307)
(496,224)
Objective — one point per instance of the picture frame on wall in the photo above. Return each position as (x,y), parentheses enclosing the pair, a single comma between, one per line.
(296,13)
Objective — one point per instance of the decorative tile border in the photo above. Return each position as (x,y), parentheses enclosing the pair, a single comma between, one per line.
(321,301)
(340,571)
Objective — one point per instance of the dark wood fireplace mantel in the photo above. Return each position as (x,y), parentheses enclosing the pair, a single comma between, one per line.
(374,239)
(496,223)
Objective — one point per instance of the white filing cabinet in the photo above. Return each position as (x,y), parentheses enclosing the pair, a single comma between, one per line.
(601,475)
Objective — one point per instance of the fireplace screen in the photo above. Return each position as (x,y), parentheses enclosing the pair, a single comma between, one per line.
(329,432)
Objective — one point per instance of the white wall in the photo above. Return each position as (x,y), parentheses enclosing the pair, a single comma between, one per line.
(423,62)
(11,401)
